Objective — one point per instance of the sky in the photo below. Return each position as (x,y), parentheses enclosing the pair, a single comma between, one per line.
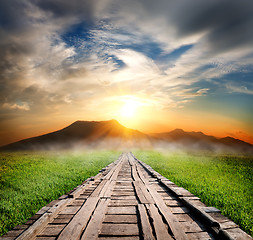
(152,65)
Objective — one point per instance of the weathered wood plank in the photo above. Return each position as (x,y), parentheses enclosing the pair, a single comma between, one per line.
(173,203)
(117,203)
(119,229)
(60,221)
(120,238)
(192,227)
(76,226)
(68,216)
(37,226)
(200,236)
(14,233)
(120,219)
(139,193)
(107,189)
(142,193)
(99,188)
(45,238)
(145,225)
(160,229)
(121,210)
(51,230)
(123,197)
(70,210)
(238,234)
(177,210)
(168,215)
(93,228)
(116,193)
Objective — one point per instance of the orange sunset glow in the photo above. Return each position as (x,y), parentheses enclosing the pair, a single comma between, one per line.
(137,62)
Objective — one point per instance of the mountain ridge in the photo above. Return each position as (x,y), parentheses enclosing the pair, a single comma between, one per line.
(112,134)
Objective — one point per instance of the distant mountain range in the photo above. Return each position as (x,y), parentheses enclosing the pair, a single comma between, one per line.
(113,135)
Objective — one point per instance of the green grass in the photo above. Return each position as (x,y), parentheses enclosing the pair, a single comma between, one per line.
(223,181)
(28,181)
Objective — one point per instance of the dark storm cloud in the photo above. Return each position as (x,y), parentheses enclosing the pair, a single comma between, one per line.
(12,15)
(60,8)
(224,24)
(229,23)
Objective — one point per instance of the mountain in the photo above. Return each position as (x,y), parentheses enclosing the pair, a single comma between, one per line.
(95,134)
(200,141)
(111,134)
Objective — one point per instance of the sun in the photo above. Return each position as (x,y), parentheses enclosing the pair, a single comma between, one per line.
(129,109)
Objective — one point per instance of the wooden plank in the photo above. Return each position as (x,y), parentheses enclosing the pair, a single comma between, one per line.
(81,189)
(134,173)
(173,203)
(37,226)
(116,172)
(76,226)
(78,202)
(120,219)
(107,189)
(43,210)
(14,233)
(228,224)
(200,236)
(181,192)
(160,229)
(67,216)
(238,234)
(121,210)
(93,228)
(211,210)
(139,193)
(177,210)
(70,210)
(117,203)
(116,193)
(219,217)
(191,226)
(142,177)
(60,221)
(99,188)
(184,218)
(200,213)
(123,189)
(123,183)
(168,215)
(123,197)
(145,225)
(142,193)
(111,172)
(52,230)
(119,230)
(19,227)
(120,238)
(45,238)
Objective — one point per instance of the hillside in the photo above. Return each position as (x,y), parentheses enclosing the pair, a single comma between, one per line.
(112,135)
(199,141)
(83,134)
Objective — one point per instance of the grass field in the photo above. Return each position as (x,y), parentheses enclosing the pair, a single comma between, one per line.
(223,181)
(28,181)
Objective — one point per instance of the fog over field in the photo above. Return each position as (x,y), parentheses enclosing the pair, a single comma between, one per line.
(83,135)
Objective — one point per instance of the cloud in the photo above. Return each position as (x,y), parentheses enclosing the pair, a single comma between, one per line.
(17,106)
(239,89)
(58,55)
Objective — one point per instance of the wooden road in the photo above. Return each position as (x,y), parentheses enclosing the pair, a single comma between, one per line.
(127,200)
